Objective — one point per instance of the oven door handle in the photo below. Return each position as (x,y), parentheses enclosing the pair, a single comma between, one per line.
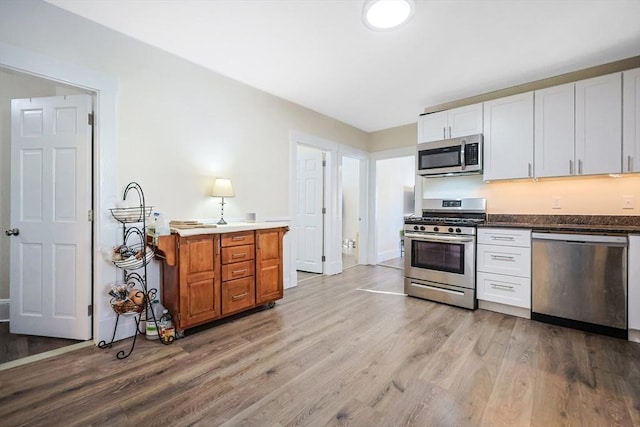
(439,239)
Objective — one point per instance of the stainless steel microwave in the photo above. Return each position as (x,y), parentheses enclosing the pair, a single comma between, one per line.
(455,156)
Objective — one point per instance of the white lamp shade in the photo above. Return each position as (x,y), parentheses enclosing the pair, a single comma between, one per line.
(222,188)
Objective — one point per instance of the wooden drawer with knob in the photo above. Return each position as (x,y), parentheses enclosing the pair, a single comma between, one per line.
(237,239)
(237,254)
(238,295)
(238,270)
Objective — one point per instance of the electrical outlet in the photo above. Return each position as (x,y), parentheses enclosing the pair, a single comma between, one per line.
(556,203)
(627,202)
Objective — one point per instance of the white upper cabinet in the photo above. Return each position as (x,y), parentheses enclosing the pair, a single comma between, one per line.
(432,127)
(599,125)
(508,137)
(452,123)
(554,141)
(631,121)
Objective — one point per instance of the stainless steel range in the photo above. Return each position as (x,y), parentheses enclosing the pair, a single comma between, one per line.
(440,260)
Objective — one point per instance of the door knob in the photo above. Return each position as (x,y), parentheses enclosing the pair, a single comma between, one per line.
(12,232)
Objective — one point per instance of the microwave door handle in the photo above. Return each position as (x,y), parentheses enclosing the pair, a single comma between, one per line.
(462,161)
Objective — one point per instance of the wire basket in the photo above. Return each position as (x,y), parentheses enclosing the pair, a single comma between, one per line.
(133,263)
(131,214)
(126,307)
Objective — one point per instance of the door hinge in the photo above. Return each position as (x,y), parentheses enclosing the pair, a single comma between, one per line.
(90,119)
(324,258)
(324,211)
(90,215)
(324,163)
(90,310)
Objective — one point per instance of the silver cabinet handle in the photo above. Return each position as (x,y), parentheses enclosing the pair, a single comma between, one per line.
(506,238)
(629,163)
(505,287)
(580,167)
(570,167)
(529,169)
(12,232)
(444,133)
(449,131)
(502,258)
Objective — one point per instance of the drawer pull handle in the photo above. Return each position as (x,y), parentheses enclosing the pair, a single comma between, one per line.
(506,238)
(502,258)
(238,238)
(238,272)
(239,297)
(505,287)
(236,256)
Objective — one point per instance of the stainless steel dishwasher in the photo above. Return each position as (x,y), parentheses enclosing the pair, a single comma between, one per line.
(580,281)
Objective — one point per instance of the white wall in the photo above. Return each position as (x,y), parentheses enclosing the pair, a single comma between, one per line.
(393,177)
(350,197)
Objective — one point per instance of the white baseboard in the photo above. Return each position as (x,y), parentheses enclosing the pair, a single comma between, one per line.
(634,335)
(4,310)
(383,256)
(505,309)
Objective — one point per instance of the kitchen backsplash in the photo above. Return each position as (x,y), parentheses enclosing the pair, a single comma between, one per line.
(601,195)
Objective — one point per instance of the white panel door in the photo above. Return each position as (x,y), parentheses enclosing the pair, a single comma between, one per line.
(50,272)
(631,121)
(554,135)
(508,137)
(309,221)
(599,125)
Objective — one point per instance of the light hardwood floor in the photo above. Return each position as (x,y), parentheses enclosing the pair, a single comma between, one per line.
(331,354)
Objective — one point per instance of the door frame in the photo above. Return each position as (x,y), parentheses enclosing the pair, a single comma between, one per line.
(105,195)
(333,197)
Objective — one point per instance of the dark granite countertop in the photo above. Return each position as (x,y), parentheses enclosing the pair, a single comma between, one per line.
(567,223)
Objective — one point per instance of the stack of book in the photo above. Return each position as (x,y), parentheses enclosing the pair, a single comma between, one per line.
(181,225)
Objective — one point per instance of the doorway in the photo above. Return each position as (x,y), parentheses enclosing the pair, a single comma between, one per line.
(14,85)
(351,213)
(395,190)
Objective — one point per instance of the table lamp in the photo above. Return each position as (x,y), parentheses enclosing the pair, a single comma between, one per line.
(222,188)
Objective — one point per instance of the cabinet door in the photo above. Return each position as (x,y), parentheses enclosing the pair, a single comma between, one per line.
(554,135)
(432,127)
(464,121)
(199,279)
(508,137)
(631,121)
(599,125)
(269,274)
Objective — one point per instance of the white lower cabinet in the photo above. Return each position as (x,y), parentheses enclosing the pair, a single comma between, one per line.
(503,280)
(634,288)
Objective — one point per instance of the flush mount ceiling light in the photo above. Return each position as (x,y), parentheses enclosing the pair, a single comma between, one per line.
(384,15)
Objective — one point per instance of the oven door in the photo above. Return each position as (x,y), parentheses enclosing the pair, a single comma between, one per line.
(442,259)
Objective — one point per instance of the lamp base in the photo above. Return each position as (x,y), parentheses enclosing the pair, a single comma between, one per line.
(222,221)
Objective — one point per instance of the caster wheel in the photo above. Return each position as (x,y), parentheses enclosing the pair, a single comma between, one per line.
(271,304)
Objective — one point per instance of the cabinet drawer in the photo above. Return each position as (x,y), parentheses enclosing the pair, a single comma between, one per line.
(509,260)
(237,254)
(505,237)
(238,295)
(509,290)
(236,239)
(238,270)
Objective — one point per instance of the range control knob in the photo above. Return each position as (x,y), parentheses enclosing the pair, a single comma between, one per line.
(450,230)
(422,228)
(415,227)
(436,229)
(458,230)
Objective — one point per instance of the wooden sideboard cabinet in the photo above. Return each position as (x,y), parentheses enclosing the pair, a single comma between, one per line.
(208,276)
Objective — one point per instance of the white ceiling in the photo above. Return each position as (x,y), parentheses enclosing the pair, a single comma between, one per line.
(317,53)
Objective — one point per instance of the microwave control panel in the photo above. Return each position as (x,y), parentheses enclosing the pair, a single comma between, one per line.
(471,154)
